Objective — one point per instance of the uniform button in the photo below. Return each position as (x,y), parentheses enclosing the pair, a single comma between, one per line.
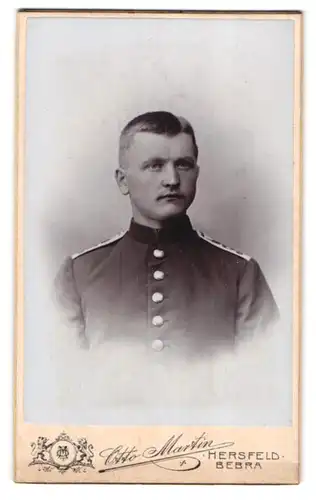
(159,275)
(157,297)
(158,253)
(157,345)
(157,321)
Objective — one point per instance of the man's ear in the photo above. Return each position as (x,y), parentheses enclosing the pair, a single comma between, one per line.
(120,176)
(198,171)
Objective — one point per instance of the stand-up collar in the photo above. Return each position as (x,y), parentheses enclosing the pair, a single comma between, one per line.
(176,229)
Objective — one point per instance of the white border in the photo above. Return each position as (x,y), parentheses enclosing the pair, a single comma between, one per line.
(13,491)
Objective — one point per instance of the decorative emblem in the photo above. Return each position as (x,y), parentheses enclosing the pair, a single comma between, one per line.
(62,454)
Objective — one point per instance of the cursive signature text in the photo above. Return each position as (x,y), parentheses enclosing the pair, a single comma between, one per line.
(174,454)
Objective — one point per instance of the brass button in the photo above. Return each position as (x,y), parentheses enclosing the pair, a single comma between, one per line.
(159,253)
(157,321)
(157,345)
(157,297)
(159,275)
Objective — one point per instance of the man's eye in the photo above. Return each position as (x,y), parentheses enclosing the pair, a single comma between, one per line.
(155,166)
(185,165)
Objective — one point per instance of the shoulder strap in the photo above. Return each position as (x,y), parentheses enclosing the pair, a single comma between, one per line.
(223,247)
(102,244)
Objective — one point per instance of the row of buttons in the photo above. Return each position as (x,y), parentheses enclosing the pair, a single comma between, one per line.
(157,297)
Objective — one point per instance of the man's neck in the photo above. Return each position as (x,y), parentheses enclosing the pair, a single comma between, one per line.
(157,224)
(174,229)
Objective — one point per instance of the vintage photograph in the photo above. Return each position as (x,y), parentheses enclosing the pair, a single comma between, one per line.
(158,236)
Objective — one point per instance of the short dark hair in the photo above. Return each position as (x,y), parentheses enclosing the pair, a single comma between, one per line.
(158,122)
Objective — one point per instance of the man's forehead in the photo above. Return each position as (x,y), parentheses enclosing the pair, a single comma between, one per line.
(160,144)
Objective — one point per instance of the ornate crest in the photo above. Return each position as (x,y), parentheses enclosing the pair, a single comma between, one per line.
(62,454)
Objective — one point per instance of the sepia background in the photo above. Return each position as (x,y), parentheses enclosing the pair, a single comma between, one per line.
(233,80)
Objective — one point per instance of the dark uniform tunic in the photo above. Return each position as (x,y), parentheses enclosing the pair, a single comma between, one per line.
(172,290)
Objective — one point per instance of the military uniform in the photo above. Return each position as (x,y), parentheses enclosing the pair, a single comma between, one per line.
(172,290)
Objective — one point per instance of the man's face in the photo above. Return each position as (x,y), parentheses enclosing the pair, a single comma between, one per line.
(160,175)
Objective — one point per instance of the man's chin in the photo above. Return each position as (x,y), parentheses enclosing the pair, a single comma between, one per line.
(170,211)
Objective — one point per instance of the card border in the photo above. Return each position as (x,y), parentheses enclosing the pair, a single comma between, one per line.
(20,428)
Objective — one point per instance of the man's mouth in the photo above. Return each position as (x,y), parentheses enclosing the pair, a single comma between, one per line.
(170,196)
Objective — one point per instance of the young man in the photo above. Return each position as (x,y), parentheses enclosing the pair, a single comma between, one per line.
(162,284)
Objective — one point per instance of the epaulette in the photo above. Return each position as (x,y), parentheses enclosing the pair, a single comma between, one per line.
(102,244)
(223,247)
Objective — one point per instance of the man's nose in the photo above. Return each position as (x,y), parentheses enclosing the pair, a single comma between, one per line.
(171,175)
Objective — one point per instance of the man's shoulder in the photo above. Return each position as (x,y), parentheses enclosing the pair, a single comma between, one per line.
(99,250)
(77,268)
(221,249)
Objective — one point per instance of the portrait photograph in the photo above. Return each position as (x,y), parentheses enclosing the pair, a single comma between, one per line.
(158,219)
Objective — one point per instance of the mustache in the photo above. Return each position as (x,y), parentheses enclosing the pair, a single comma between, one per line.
(173,194)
